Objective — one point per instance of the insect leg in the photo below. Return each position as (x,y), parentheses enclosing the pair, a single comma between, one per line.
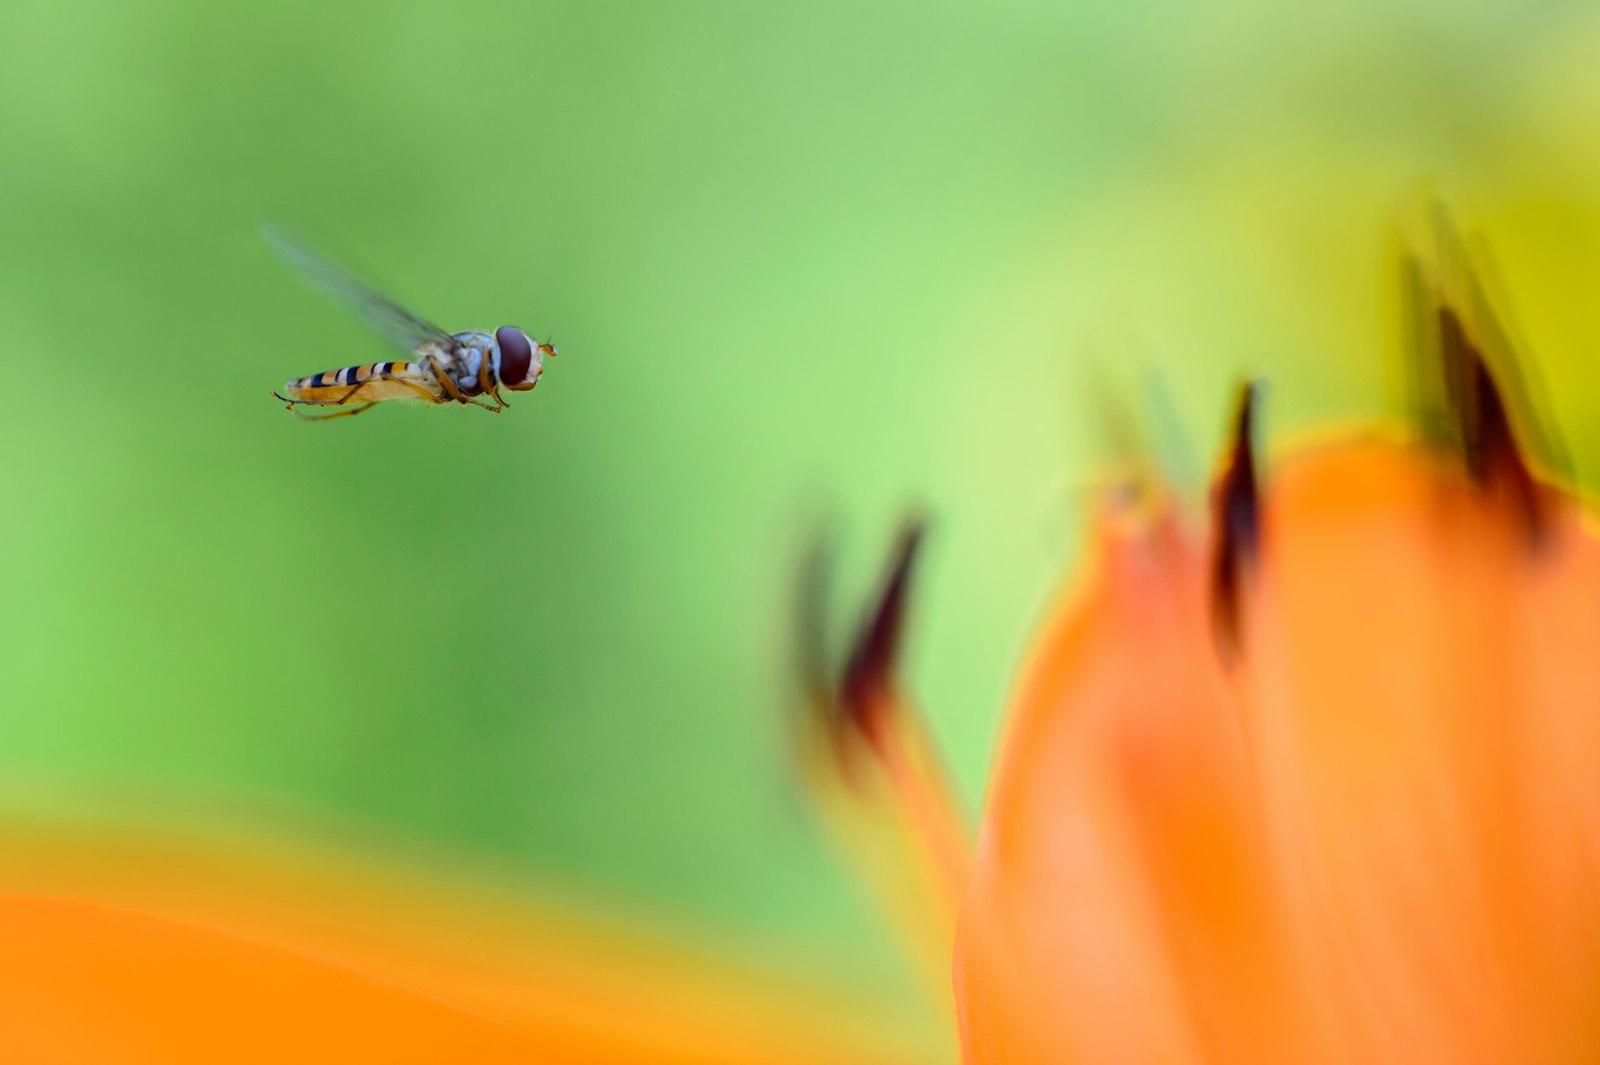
(487,384)
(348,396)
(347,412)
(291,404)
(450,386)
(418,389)
(341,401)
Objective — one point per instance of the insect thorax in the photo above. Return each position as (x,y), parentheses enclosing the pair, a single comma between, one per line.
(462,360)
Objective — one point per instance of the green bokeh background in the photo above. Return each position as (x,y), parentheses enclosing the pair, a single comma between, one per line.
(801,260)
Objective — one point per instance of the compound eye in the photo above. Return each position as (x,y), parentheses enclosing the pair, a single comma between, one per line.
(516,355)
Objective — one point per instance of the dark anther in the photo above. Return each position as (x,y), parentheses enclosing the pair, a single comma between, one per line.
(1476,399)
(1236,516)
(1482,425)
(869,679)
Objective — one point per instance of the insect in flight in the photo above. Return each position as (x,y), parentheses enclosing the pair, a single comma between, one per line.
(443,367)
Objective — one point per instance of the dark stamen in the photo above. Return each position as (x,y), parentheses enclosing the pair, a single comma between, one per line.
(1477,402)
(1236,516)
(1482,424)
(869,676)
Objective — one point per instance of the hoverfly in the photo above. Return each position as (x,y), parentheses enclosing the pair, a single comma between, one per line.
(443,367)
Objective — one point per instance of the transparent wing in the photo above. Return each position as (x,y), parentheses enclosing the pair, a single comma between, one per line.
(381,314)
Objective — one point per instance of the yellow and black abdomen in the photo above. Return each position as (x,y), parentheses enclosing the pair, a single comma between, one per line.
(367,383)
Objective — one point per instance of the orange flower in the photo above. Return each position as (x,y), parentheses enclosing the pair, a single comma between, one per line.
(1311,782)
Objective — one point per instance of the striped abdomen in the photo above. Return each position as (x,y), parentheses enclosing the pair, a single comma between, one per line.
(370,382)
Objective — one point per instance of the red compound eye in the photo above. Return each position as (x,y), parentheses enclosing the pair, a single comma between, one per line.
(516,355)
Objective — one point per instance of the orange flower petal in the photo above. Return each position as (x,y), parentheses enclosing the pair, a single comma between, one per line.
(1371,839)
(81,983)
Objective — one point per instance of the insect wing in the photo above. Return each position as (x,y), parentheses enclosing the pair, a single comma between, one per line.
(381,314)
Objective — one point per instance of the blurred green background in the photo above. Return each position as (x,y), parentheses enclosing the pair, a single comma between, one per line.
(837,258)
